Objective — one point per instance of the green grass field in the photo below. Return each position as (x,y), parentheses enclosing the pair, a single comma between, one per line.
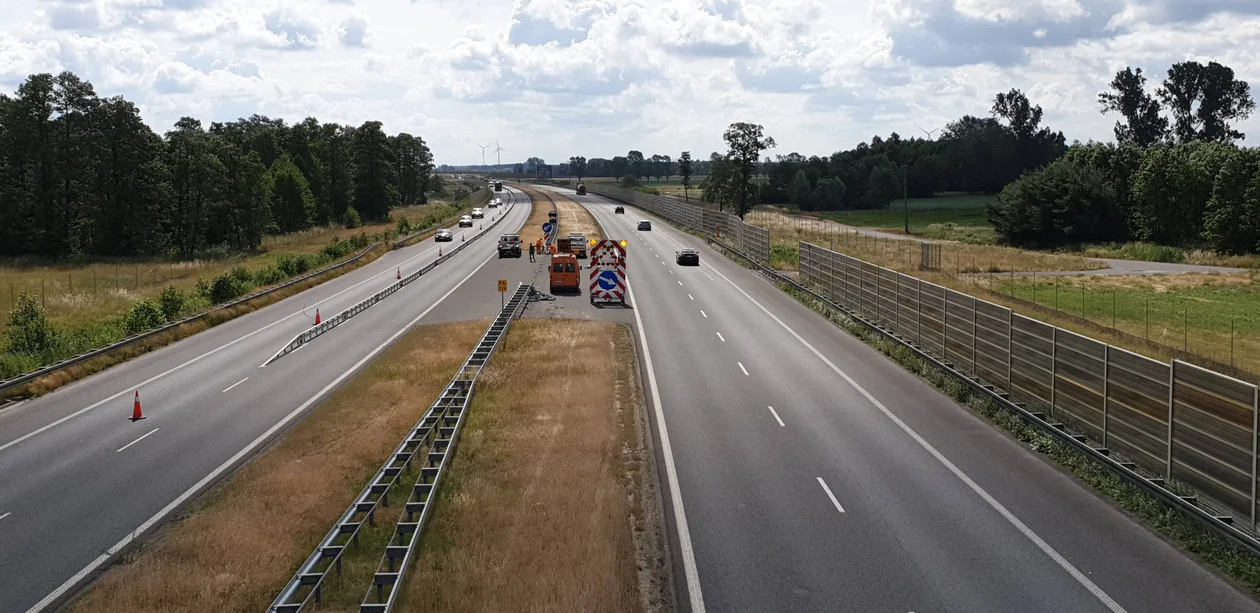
(959,218)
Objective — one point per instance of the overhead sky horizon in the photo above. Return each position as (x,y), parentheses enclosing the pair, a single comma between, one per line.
(555,78)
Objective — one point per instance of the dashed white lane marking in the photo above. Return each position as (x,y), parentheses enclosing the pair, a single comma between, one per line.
(137,440)
(235,384)
(776,416)
(702,313)
(830,495)
(720,337)
(691,297)
(741,367)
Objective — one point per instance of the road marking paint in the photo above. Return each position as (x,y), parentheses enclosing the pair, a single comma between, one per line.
(235,384)
(6,515)
(691,297)
(720,337)
(253,445)
(685,547)
(830,495)
(776,416)
(131,388)
(680,284)
(137,440)
(741,367)
(670,272)
(1041,544)
(702,313)
(707,275)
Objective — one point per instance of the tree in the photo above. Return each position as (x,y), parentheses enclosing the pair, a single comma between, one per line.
(883,186)
(1062,204)
(1143,125)
(745,142)
(248,193)
(1232,217)
(720,185)
(684,171)
(577,166)
(635,159)
(292,204)
(1035,146)
(196,184)
(1204,100)
(800,190)
(829,195)
(532,164)
(376,172)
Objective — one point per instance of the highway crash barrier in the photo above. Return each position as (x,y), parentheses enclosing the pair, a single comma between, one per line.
(432,439)
(318,330)
(753,241)
(1170,428)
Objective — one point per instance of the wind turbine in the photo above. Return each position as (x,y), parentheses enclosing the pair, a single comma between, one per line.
(498,150)
(929,132)
(483,153)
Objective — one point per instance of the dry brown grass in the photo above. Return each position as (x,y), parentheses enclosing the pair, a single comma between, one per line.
(532,230)
(71,374)
(544,506)
(246,538)
(575,218)
(904,255)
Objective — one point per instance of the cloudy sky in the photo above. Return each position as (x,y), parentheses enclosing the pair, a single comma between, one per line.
(554,78)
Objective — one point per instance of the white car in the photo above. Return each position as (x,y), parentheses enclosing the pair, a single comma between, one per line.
(478,214)
(465,222)
(494,203)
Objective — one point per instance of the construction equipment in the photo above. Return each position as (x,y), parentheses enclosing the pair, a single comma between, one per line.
(581,189)
(577,244)
(565,273)
(564,245)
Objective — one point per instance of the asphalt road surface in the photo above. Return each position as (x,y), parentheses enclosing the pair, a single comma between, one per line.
(813,474)
(78,477)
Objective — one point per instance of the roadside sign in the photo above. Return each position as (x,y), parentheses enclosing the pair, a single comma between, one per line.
(502,290)
(608,272)
(547,228)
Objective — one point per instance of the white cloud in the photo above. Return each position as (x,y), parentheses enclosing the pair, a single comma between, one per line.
(556,78)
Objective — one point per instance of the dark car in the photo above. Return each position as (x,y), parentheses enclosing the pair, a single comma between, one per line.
(645,224)
(620,209)
(443,236)
(687,257)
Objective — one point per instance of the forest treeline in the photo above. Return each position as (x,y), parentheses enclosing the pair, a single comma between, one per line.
(84,175)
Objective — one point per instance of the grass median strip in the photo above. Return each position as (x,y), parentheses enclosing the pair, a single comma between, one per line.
(234,550)
(550,502)
(575,218)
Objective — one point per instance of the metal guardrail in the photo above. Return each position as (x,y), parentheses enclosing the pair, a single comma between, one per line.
(318,330)
(382,595)
(44,371)
(1156,486)
(428,435)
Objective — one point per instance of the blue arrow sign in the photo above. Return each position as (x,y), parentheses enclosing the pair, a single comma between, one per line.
(608,280)
(547,228)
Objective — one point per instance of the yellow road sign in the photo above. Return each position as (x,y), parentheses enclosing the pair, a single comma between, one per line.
(502,285)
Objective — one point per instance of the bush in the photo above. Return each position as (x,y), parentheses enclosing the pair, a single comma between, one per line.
(223,288)
(1065,203)
(29,330)
(293,265)
(242,274)
(629,181)
(352,219)
(404,226)
(172,303)
(144,315)
(270,276)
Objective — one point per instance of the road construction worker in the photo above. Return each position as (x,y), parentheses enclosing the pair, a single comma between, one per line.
(552,246)
(531,252)
(540,246)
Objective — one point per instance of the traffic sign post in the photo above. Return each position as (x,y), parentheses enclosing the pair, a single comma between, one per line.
(502,290)
(546,228)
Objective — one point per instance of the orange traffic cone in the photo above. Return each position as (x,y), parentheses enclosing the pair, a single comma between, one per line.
(439,251)
(136,414)
(400,272)
(317,319)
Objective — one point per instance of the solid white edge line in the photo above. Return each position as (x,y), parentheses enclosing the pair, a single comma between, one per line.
(235,384)
(120,449)
(157,517)
(776,416)
(671,471)
(830,495)
(1045,547)
(720,337)
(741,367)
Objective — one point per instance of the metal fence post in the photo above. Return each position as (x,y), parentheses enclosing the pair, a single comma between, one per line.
(897,323)
(1106,394)
(1172,383)
(1255,431)
(1054,366)
(878,282)
(1010,346)
(974,320)
(945,324)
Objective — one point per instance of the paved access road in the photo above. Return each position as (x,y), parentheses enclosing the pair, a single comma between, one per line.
(816,475)
(78,477)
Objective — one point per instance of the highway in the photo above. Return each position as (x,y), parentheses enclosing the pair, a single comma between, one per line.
(79,478)
(814,474)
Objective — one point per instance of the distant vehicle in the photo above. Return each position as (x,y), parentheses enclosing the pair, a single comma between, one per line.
(498,186)
(645,224)
(581,190)
(687,257)
(510,246)
(443,236)
(565,273)
(465,221)
(620,209)
(577,244)
(478,213)
(494,203)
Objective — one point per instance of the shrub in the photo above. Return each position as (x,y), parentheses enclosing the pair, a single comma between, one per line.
(29,330)
(223,288)
(242,274)
(629,181)
(144,315)
(293,265)
(404,226)
(352,219)
(270,275)
(172,303)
